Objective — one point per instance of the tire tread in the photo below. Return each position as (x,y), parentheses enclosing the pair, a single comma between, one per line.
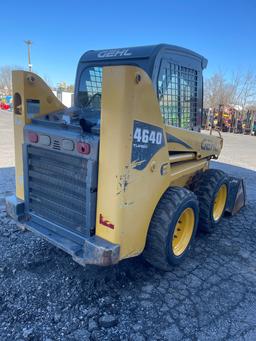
(204,186)
(155,250)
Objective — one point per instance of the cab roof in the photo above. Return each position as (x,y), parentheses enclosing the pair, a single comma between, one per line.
(139,52)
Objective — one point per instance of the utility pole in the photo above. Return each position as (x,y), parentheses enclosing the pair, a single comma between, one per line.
(29,43)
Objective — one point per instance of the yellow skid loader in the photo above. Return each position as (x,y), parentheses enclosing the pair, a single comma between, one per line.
(125,170)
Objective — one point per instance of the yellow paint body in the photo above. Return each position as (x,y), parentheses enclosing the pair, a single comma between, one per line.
(127,197)
(28,86)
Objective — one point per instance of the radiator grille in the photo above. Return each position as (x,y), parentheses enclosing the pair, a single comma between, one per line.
(57,187)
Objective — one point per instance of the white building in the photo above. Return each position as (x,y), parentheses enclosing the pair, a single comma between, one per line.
(67,98)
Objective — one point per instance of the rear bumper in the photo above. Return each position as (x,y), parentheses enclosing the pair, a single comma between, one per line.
(15,208)
(84,250)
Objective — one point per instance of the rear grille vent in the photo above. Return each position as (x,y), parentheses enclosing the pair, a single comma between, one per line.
(57,187)
(56,144)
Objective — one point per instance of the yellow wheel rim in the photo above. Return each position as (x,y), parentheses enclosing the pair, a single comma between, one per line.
(183,231)
(220,202)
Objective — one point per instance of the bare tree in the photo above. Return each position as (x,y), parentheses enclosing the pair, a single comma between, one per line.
(245,89)
(217,91)
(240,90)
(70,88)
(6,79)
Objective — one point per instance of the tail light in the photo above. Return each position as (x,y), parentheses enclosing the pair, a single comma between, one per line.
(83,148)
(33,137)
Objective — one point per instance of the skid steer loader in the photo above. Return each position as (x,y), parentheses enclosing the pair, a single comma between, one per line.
(125,170)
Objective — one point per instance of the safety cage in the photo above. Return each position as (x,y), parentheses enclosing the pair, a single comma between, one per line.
(176,74)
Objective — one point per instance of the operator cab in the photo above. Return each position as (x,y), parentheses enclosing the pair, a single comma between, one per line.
(176,74)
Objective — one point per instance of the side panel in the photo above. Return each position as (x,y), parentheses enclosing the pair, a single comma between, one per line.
(31,97)
(134,169)
(182,140)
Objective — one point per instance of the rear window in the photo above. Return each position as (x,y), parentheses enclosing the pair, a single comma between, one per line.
(90,88)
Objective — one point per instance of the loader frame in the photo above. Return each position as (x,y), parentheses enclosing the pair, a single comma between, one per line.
(140,156)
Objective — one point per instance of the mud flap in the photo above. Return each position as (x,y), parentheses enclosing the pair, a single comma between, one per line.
(236,196)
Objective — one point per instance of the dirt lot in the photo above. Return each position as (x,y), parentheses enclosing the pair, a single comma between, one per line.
(44,295)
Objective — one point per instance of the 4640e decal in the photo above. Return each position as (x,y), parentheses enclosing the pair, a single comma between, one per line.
(147,140)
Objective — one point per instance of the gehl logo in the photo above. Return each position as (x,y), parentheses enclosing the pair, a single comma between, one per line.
(208,145)
(114,53)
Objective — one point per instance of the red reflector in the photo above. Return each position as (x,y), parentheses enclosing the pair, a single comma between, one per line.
(33,137)
(83,148)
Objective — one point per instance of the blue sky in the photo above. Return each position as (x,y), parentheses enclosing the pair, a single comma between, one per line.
(222,31)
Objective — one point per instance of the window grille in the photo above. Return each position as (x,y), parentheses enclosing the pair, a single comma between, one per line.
(177,93)
(90,87)
(94,81)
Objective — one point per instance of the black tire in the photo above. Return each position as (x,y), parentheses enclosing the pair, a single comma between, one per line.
(206,186)
(159,245)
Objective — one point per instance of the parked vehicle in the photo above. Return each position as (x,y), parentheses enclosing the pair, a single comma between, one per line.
(125,171)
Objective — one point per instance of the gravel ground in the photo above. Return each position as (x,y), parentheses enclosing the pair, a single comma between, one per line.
(44,295)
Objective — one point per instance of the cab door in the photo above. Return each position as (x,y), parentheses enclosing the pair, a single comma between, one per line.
(178,84)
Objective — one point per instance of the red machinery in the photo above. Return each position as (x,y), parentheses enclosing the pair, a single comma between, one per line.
(4,106)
